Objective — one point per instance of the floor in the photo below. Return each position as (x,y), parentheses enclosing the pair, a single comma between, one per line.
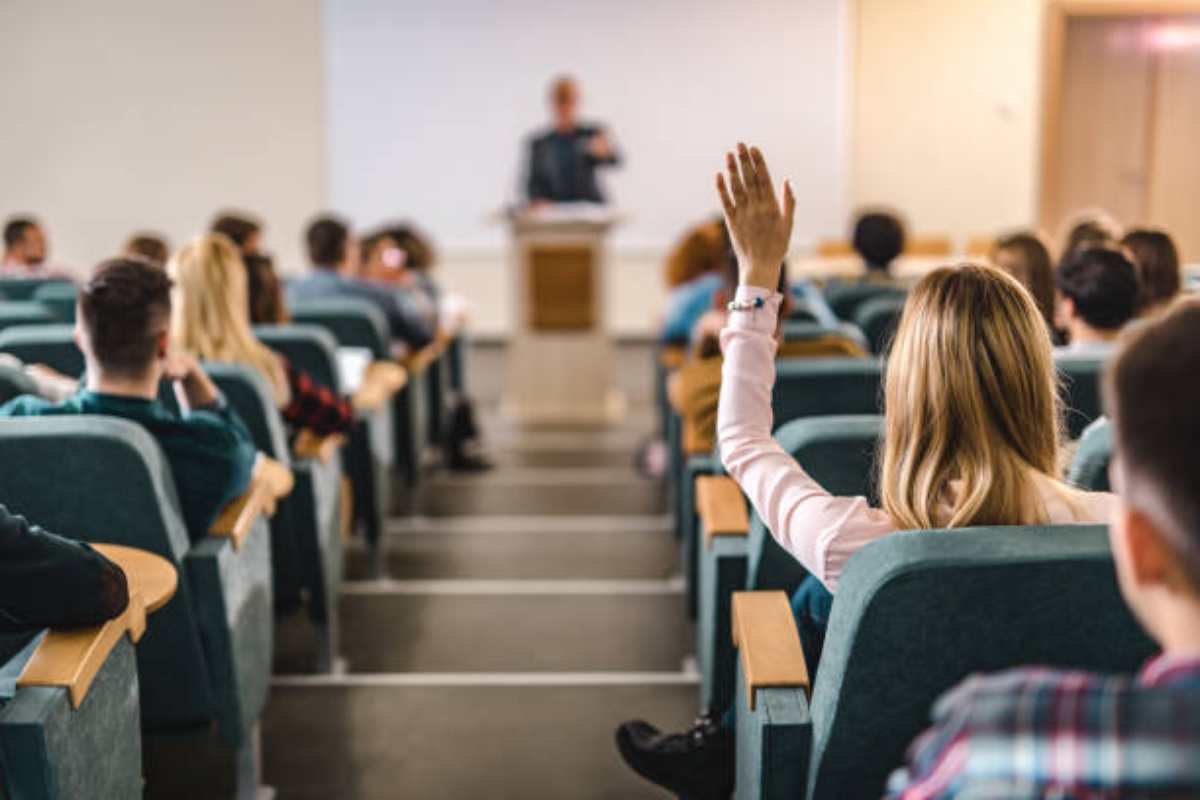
(527,612)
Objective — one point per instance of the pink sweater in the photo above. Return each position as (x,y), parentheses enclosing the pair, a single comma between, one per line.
(820,530)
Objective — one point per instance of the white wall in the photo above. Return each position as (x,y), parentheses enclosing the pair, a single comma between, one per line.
(150,114)
(429,102)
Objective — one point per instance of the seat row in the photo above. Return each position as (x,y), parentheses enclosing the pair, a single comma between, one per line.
(203,661)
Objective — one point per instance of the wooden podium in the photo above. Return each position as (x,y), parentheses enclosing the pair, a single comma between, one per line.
(560,359)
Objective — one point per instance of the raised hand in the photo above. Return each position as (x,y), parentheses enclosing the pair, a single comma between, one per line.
(759,228)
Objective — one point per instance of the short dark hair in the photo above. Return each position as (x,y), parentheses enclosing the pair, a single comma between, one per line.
(124,308)
(1156,263)
(327,238)
(149,246)
(15,228)
(1102,284)
(238,227)
(1152,390)
(879,238)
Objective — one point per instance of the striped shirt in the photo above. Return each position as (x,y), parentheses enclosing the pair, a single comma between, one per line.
(1043,733)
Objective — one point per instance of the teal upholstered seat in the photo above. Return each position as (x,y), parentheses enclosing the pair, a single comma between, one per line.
(1081,382)
(878,318)
(52,345)
(1089,468)
(24,312)
(206,656)
(366,458)
(844,297)
(51,751)
(804,387)
(59,299)
(839,453)
(306,544)
(915,613)
(24,288)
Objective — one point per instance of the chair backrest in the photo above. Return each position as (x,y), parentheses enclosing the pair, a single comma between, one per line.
(1089,468)
(800,332)
(354,322)
(310,348)
(814,387)
(23,288)
(247,392)
(14,383)
(917,612)
(878,318)
(59,299)
(103,479)
(52,345)
(1081,390)
(844,298)
(24,312)
(839,453)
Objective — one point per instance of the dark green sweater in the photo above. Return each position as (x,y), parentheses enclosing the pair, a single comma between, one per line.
(210,451)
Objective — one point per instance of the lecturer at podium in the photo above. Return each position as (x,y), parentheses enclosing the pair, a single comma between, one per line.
(561,163)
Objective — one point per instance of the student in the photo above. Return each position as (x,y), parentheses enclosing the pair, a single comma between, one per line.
(1091,227)
(150,246)
(264,291)
(124,315)
(334,253)
(242,229)
(1024,256)
(24,249)
(1097,295)
(1156,262)
(879,240)
(695,275)
(47,581)
(971,435)
(212,323)
(385,264)
(1037,732)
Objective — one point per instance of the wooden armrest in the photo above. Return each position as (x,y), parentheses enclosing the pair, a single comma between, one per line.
(420,361)
(321,448)
(672,357)
(764,631)
(271,481)
(381,380)
(720,506)
(72,659)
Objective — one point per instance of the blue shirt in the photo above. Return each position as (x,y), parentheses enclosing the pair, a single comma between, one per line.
(687,303)
(405,319)
(210,451)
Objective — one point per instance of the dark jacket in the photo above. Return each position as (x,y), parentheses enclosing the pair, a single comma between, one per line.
(560,169)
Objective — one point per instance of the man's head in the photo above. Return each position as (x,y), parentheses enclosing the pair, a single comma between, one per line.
(564,102)
(1152,391)
(24,241)
(331,246)
(124,313)
(242,229)
(878,239)
(149,246)
(1097,292)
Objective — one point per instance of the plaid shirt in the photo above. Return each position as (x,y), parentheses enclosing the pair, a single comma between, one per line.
(1042,733)
(314,407)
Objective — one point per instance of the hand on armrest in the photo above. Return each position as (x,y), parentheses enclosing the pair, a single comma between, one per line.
(721,507)
(381,380)
(320,448)
(764,631)
(270,482)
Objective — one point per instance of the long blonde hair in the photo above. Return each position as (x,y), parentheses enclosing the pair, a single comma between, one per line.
(211,317)
(972,409)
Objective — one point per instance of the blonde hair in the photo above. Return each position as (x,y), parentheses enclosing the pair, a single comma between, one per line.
(211,317)
(971,404)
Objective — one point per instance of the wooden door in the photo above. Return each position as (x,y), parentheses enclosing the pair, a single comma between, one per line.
(1174,196)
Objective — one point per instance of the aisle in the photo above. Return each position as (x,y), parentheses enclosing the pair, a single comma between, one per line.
(527,612)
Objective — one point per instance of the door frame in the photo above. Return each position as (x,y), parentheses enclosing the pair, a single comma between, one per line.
(1057,15)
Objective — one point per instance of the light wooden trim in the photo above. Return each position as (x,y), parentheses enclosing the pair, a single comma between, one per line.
(980,247)
(347,508)
(935,246)
(72,659)
(672,357)
(380,382)
(721,507)
(421,360)
(835,248)
(271,481)
(764,631)
(1057,15)
(320,448)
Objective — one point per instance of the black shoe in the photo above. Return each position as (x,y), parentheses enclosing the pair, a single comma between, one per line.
(698,764)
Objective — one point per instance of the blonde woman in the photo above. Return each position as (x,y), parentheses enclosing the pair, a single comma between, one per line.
(211,321)
(971,437)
